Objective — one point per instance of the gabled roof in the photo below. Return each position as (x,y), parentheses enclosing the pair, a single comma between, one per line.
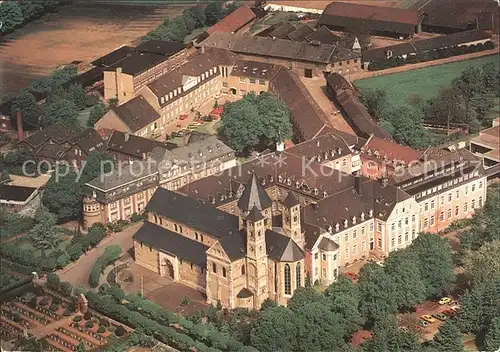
(137,63)
(132,145)
(324,36)
(291,200)
(301,33)
(337,82)
(89,140)
(328,245)
(282,248)
(234,21)
(160,47)
(254,215)
(391,150)
(167,241)
(59,133)
(136,113)
(282,31)
(254,195)
(114,56)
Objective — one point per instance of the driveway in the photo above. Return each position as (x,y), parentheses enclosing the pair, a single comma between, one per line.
(77,273)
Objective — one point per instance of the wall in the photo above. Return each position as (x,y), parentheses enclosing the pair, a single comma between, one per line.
(110,120)
(125,89)
(146,256)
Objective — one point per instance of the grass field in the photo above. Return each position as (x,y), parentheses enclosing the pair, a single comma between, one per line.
(424,82)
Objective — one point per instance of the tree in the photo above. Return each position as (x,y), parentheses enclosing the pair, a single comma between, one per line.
(93,164)
(213,13)
(319,329)
(25,102)
(77,95)
(44,235)
(491,78)
(30,9)
(435,263)
(448,338)
(268,304)
(64,74)
(303,296)
(275,330)
(60,111)
(275,118)
(492,337)
(387,337)
(405,124)
(402,267)
(446,108)
(11,16)
(96,113)
(375,101)
(484,264)
(63,195)
(377,295)
(197,13)
(343,295)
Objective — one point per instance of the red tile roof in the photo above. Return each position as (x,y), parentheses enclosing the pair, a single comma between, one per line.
(234,21)
(373,13)
(391,150)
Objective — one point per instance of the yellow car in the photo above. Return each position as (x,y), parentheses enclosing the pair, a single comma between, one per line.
(428,319)
(444,300)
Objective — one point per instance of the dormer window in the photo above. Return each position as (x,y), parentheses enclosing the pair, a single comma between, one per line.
(353,219)
(179,90)
(337,227)
(371,213)
(202,76)
(346,223)
(170,95)
(162,100)
(362,216)
(175,93)
(330,229)
(388,54)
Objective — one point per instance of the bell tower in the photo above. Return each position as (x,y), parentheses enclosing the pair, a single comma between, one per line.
(254,195)
(291,219)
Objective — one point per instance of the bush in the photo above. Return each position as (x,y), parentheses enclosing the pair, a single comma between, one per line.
(87,316)
(53,307)
(43,302)
(103,322)
(77,318)
(136,217)
(111,253)
(67,313)
(89,324)
(120,331)
(53,281)
(101,329)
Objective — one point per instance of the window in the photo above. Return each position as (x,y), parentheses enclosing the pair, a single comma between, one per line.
(466,190)
(432,220)
(413,233)
(363,246)
(354,249)
(288,279)
(224,84)
(324,257)
(473,187)
(393,242)
(480,184)
(457,209)
(363,230)
(334,257)
(224,273)
(379,227)
(406,236)
(480,202)
(379,243)
(354,234)
(298,272)
(465,207)
(252,80)
(393,227)
(413,218)
(346,237)
(432,204)
(316,256)
(449,213)
(426,223)
(262,82)
(426,206)
(243,270)
(399,238)
(406,221)
(242,80)
(442,200)
(441,216)
(243,91)
(449,197)
(473,204)
(399,224)
(371,227)
(323,272)
(214,267)
(458,194)
(346,253)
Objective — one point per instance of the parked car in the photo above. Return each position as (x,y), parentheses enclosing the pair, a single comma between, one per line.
(423,323)
(440,316)
(450,312)
(351,275)
(403,329)
(444,300)
(183,117)
(428,318)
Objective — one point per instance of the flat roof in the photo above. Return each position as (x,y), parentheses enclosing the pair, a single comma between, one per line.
(15,193)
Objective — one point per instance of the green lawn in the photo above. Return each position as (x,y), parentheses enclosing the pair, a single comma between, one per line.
(424,82)
(25,243)
(83,117)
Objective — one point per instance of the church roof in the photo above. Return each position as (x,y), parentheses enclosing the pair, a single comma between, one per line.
(282,248)
(290,200)
(254,195)
(244,293)
(255,215)
(328,245)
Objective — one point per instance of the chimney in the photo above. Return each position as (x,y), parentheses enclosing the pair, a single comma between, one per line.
(185,138)
(20,133)
(357,184)
(119,92)
(202,50)
(384,181)
(127,136)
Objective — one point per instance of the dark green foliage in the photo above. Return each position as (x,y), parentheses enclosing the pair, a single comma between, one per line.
(387,337)
(492,338)
(303,296)
(25,102)
(96,113)
(11,16)
(77,95)
(405,125)
(254,120)
(275,330)
(101,329)
(448,338)
(44,234)
(63,195)
(60,111)
(95,163)
(53,281)
(77,318)
(13,224)
(111,253)
(120,331)
(375,100)
(213,13)
(268,304)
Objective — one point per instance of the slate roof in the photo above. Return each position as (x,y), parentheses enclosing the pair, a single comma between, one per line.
(282,248)
(90,141)
(170,242)
(324,36)
(52,151)
(373,18)
(15,193)
(160,47)
(291,200)
(301,33)
(311,233)
(126,174)
(337,82)
(234,21)
(281,48)
(328,245)
(391,150)
(456,14)
(136,113)
(255,215)
(131,144)
(254,69)
(244,293)
(254,195)
(59,133)
(282,31)
(137,63)
(114,56)
(201,217)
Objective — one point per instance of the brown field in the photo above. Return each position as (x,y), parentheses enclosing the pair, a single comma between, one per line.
(321,4)
(76,32)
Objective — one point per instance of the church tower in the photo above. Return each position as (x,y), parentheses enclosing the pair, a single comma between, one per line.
(255,195)
(291,219)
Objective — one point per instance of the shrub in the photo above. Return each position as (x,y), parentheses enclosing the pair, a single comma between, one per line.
(67,313)
(111,253)
(103,322)
(101,329)
(87,316)
(53,307)
(77,318)
(53,281)
(136,217)
(43,302)
(120,331)
(89,324)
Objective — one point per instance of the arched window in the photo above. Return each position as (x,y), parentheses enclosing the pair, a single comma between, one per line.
(180,228)
(175,227)
(288,280)
(156,219)
(243,269)
(224,272)
(297,275)
(196,235)
(214,267)
(201,238)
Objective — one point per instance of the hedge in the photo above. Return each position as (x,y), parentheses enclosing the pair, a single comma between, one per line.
(436,54)
(13,224)
(111,253)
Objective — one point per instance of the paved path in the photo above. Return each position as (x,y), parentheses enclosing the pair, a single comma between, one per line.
(77,273)
(44,330)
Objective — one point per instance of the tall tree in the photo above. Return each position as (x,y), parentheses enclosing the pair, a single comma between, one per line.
(492,337)
(60,111)
(31,9)
(446,108)
(276,330)
(275,118)
(213,12)
(435,263)
(44,234)
(405,124)
(448,338)
(387,337)
(197,13)
(77,95)
(63,195)
(377,295)
(11,16)
(25,102)
(375,101)
(96,113)
(491,78)
(484,264)
(303,296)
(343,295)
(94,164)
(402,266)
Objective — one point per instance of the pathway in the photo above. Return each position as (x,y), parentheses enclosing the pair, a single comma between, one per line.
(77,273)
(45,330)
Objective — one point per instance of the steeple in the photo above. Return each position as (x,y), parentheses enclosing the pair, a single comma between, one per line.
(254,195)
(291,218)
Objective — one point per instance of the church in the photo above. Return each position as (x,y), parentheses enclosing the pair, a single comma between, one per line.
(238,260)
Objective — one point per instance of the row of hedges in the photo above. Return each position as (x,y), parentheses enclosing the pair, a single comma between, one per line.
(204,333)
(14,224)
(429,56)
(111,253)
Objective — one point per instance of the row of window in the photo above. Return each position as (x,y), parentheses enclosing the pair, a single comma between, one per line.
(447,184)
(179,90)
(431,221)
(400,222)
(287,278)
(400,238)
(252,80)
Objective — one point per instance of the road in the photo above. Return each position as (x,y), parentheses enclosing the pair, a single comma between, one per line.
(77,273)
